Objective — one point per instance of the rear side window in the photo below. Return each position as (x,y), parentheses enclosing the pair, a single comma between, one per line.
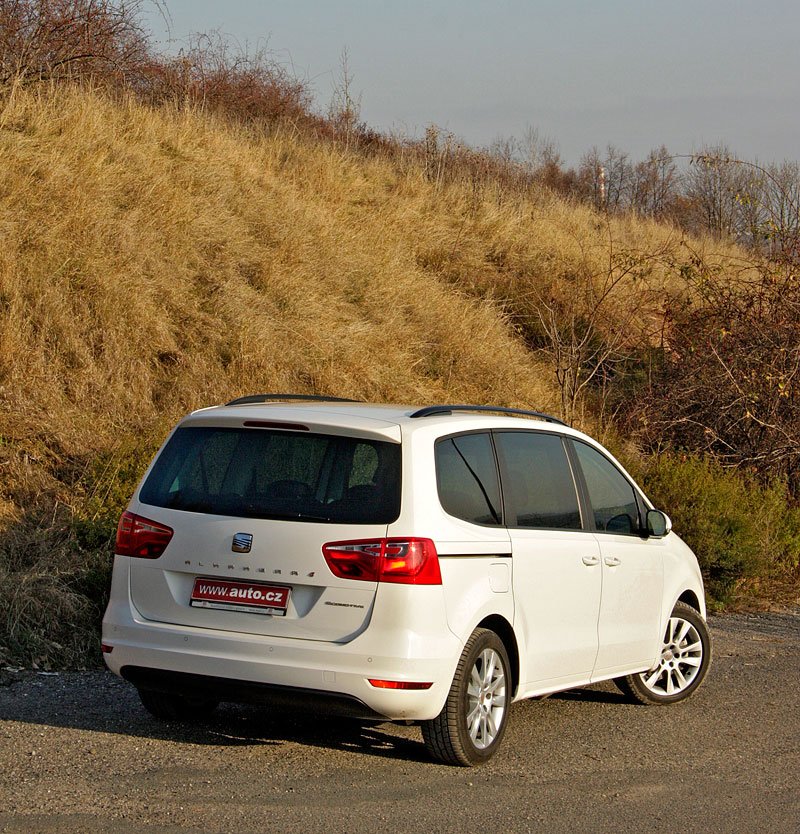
(610,493)
(537,481)
(466,477)
(259,473)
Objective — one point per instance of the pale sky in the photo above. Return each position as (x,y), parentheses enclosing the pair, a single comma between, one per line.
(635,74)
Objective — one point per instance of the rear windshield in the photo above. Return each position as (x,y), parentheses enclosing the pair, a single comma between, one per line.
(261,473)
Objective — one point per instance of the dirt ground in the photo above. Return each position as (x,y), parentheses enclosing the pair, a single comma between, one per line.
(79,754)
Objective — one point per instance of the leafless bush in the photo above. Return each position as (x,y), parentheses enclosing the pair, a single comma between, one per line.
(56,39)
(344,113)
(729,384)
(590,325)
(506,166)
(225,78)
(103,40)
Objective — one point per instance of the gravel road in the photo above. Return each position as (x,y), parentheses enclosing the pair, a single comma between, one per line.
(79,754)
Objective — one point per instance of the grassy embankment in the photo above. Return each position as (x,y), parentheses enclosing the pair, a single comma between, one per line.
(152,262)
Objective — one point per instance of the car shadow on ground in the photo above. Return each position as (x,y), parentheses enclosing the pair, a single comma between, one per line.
(605,693)
(99,702)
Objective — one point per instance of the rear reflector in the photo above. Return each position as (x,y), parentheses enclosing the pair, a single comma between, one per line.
(401,561)
(106,649)
(141,537)
(380,684)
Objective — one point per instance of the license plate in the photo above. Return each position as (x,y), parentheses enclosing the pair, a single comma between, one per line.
(228,594)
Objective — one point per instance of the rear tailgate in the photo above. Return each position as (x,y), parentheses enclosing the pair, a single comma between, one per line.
(251,504)
(284,555)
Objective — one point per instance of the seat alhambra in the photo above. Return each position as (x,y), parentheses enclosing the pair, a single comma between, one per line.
(428,564)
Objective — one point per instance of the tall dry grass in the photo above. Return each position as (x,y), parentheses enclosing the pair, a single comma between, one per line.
(156,261)
(152,262)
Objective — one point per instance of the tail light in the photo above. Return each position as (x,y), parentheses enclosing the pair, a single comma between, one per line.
(139,536)
(384,684)
(402,561)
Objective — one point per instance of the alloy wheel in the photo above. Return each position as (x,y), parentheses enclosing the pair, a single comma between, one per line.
(680,661)
(486,698)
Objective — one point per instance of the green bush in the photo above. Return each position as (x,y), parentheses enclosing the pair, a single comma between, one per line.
(55,563)
(739,528)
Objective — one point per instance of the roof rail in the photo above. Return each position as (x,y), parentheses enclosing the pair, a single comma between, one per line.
(431,410)
(265,398)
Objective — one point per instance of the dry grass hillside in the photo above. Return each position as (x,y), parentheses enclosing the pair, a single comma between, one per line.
(155,261)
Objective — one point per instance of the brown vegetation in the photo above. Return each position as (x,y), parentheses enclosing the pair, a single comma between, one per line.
(176,232)
(154,262)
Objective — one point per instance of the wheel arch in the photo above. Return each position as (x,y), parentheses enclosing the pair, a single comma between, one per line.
(504,630)
(691,599)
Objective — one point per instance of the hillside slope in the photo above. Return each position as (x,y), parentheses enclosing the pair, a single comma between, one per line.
(152,262)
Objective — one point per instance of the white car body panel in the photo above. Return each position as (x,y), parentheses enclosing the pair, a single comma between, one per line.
(551,576)
(630,611)
(321,606)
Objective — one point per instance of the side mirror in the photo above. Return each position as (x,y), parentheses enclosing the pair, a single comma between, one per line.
(658,524)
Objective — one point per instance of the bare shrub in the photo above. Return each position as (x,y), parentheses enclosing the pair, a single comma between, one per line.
(729,382)
(344,113)
(220,76)
(105,42)
(592,324)
(57,39)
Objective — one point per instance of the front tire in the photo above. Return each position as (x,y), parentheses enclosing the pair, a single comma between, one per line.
(472,723)
(684,661)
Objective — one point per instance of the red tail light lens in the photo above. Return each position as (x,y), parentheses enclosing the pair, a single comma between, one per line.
(354,560)
(141,537)
(382,684)
(403,561)
(410,561)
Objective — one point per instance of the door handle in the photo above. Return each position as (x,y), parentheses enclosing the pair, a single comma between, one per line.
(590,560)
(611,561)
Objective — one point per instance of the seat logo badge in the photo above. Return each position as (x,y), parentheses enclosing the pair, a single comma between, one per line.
(242,542)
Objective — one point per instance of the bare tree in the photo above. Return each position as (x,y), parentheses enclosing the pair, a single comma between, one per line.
(606,180)
(538,153)
(714,185)
(505,149)
(618,175)
(590,177)
(780,203)
(655,183)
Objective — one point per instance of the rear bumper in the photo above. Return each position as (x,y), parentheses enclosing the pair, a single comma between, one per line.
(334,677)
(248,692)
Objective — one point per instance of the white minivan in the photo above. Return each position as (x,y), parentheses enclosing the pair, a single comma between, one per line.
(432,564)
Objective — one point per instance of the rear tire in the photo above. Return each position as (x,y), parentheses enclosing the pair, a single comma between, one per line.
(683,663)
(170,706)
(472,723)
